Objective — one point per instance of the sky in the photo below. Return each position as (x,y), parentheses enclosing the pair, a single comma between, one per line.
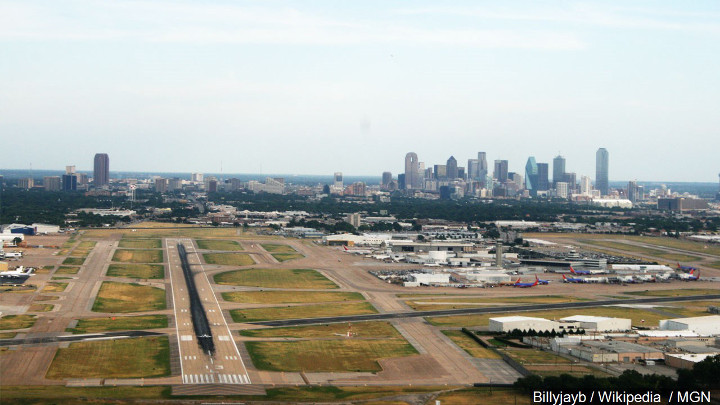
(314,87)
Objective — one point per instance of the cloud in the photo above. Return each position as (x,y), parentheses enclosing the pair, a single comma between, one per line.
(172,22)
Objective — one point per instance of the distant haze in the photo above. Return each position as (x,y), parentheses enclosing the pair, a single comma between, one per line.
(324,86)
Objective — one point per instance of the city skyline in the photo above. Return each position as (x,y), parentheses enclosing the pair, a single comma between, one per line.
(250,85)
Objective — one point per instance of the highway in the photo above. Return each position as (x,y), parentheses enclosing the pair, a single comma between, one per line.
(484,310)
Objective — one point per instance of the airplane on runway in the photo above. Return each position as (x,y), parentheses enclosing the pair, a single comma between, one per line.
(573,280)
(581,272)
(685,268)
(518,284)
(541,281)
(19,272)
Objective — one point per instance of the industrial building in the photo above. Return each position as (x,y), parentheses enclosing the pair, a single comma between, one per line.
(418,279)
(417,247)
(509,323)
(600,323)
(702,325)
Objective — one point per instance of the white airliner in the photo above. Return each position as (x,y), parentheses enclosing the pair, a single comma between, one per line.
(19,272)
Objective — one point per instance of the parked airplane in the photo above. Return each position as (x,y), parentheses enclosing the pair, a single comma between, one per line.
(627,279)
(357,251)
(690,276)
(572,280)
(685,268)
(573,271)
(525,285)
(20,272)
(543,282)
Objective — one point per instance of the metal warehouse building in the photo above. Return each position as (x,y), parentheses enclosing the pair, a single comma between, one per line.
(702,325)
(600,323)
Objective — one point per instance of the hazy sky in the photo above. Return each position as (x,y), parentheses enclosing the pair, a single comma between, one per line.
(314,87)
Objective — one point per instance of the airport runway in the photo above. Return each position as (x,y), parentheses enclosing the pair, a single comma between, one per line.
(471,311)
(197,367)
(77,338)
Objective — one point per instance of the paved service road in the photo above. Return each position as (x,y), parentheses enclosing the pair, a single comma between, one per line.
(197,367)
(471,311)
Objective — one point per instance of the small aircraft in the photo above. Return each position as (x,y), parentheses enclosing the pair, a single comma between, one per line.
(685,268)
(572,280)
(576,272)
(541,281)
(518,284)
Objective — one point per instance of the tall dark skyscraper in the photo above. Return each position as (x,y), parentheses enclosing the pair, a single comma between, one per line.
(452,168)
(543,184)
(558,169)
(386,178)
(482,167)
(531,175)
(412,167)
(602,166)
(501,171)
(101,174)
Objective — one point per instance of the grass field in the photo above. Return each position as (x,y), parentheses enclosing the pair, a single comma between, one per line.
(147,271)
(290,297)
(46,298)
(689,309)
(277,248)
(140,243)
(138,256)
(326,355)
(302,311)
(67,270)
(124,297)
(105,324)
(121,358)
(209,244)
(651,318)
(430,303)
(55,287)
(276,278)
(229,259)
(474,349)
(41,308)
(533,356)
(74,261)
(283,257)
(714,265)
(7,335)
(162,231)
(17,321)
(494,396)
(573,370)
(674,293)
(360,329)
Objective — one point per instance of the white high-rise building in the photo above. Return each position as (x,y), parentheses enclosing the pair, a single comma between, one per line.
(561,189)
(585,185)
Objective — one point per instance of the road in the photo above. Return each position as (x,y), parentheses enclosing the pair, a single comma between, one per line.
(197,367)
(471,311)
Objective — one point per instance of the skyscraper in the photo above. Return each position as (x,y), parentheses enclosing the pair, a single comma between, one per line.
(543,184)
(501,171)
(531,175)
(473,169)
(602,166)
(452,168)
(482,165)
(101,174)
(558,169)
(386,179)
(338,180)
(412,166)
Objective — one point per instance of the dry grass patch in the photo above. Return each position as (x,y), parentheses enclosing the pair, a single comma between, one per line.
(495,396)
(17,321)
(138,256)
(121,358)
(283,257)
(55,287)
(140,243)
(332,330)
(276,278)
(326,355)
(228,259)
(534,356)
(146,271)
(105,324)
(674,293)
(7,335)
(74,261)
(430,303)
(124,297)
(290,297)
(41,308)
(474,349)
(209,244)
(67,270)
(301,311)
